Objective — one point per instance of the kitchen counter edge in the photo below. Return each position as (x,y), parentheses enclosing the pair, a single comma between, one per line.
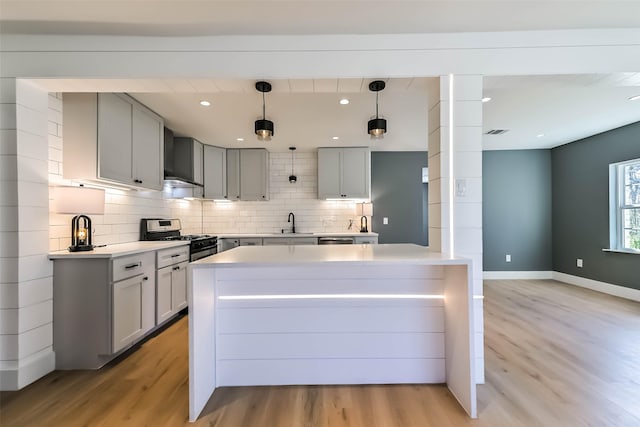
(118,250)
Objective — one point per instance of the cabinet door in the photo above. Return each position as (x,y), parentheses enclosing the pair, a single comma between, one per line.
(329,173)
(198,162)
(115,161)
(179,287)
(355,173)
(148,134)
(233,174)
(215,173)
(148,301)
(127,311)
(163,294)
(254,177)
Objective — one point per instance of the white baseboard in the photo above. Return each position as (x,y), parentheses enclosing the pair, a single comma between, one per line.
(606,288)
(516,275)
(15,376)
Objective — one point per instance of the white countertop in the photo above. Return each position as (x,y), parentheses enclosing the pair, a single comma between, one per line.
(319,234)
(244,256)
(116,250)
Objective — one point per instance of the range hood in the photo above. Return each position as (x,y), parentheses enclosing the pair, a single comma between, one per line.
(180,162)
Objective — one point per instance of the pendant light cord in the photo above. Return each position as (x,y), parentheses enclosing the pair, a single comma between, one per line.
(264,116)
(377,104)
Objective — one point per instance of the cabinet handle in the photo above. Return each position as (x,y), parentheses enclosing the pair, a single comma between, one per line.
(145,278)
(175,255)
(137,181)
(130,266)
(176,268)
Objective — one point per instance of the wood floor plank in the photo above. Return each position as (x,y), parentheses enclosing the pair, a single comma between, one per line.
(556,356)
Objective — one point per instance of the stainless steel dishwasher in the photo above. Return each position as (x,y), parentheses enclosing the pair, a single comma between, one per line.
(335,240)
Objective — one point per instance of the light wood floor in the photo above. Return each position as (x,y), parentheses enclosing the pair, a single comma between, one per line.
(556,355)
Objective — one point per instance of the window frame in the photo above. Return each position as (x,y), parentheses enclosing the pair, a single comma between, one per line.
(617,206)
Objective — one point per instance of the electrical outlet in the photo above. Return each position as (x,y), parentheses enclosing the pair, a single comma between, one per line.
(507,258)
(385,220)
(579,262)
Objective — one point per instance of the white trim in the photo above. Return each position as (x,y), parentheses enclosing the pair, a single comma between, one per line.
(517,275)
(607,288)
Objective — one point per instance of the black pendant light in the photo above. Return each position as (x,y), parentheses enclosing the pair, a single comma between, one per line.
(377,127)
(264,127)
(292,177)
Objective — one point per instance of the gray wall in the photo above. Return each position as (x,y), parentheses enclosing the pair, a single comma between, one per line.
(397,192)
(516,210)
(581,206)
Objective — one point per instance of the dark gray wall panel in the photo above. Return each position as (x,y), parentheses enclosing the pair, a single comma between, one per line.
(397,192)
(516,210)
(581,206)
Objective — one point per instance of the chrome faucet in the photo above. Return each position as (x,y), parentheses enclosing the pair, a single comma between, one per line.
(292,218)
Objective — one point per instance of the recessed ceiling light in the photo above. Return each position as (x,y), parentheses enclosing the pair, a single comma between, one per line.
(205,103)
(634,98)
(540,135)
(239,139)
(335,138)
(344,101)
(486,99)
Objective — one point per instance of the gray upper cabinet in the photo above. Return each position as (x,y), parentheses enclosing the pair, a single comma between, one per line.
(233,174)
(113,138)
(254,174)
(344,173)
(248,174)
(215,172)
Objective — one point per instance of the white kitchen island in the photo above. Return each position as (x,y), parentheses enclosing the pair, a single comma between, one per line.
(344,314)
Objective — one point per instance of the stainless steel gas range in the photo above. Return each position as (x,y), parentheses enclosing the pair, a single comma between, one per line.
(200,245)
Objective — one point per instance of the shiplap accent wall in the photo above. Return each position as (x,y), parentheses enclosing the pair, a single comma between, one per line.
(26,332)
(466,220)
(311,214)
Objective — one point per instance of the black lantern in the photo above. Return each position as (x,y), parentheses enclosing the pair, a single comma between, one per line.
(80,234)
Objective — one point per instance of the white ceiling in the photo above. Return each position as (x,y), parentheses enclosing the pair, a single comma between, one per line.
(306,112)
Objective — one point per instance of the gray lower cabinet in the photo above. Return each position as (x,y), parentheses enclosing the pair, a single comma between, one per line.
(171,292)
(370,240)
(101,306)
(269,241)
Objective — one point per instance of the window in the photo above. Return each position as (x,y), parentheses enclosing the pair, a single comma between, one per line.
(624,195)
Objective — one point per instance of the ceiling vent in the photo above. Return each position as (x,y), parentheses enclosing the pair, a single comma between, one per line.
(496,131)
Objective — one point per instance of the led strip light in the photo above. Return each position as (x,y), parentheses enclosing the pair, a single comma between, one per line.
(329,296)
